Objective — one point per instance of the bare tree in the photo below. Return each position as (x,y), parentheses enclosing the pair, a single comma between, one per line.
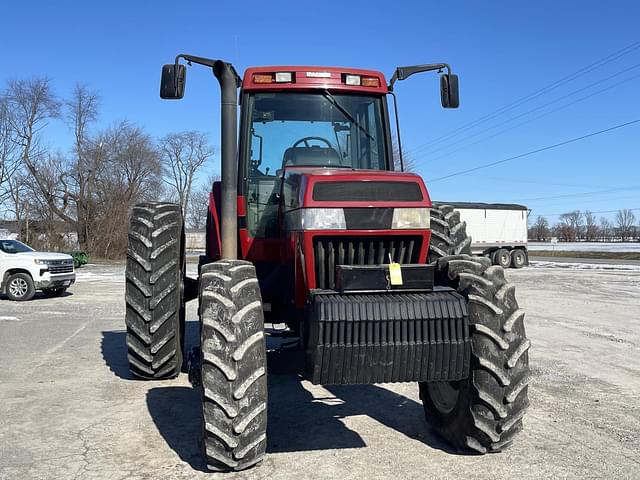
(540,229)
(624,221)
(408,161)
(183,154)
(199,204)
(570,225)
(198,207)
(590,226)
(32,104)
(9,157)
(605,229)
(128,171)
(81,111)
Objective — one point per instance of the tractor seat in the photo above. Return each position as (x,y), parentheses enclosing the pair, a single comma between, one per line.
(313,156)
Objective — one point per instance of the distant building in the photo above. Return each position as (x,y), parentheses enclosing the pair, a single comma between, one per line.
(8,230)
(195,240)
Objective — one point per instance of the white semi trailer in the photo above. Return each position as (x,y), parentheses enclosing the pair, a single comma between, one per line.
(497,231)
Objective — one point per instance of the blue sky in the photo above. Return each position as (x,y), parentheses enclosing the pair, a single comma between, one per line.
(502,50)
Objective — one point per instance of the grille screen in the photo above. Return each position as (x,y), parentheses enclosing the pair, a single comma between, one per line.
(332,251)
(367,192)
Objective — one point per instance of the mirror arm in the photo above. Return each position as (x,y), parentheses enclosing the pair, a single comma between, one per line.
(402,73)
(207,62)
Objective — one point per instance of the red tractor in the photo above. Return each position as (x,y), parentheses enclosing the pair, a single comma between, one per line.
(315,225)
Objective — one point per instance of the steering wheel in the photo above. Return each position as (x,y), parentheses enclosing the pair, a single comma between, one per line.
(306,140)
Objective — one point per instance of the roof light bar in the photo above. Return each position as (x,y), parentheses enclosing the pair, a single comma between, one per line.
(353,80)
(370,82)
(262,78)
(284,77)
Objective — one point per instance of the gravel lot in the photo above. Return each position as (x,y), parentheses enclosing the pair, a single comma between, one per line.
(69,409)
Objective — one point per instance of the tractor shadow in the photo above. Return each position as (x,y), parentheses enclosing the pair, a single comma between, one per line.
(298,420)
(113,347)
(302,417)
(176,414)
(301,421)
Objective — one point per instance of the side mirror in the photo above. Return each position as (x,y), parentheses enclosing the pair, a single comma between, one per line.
(172,82)
(449,90)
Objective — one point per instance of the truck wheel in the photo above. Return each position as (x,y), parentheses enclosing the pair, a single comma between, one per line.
(501,257)
(54,292)
(154,291)
(518,258)
(484,412)
(233,366)
(448,233)
(20,287)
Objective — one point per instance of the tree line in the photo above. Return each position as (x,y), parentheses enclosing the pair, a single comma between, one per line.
(80,198)
(584,226)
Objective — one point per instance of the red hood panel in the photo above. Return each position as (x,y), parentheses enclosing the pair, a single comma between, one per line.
(299,184)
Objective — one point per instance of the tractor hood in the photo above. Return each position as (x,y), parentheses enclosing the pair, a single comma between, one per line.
(309,187)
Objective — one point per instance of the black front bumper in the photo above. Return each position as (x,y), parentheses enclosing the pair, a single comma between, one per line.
(388,337)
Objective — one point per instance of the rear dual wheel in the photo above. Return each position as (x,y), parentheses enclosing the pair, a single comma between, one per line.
(154,291)
(483,412)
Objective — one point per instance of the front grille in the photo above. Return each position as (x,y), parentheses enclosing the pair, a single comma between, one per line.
(347,250)
(56,269)
(369,191)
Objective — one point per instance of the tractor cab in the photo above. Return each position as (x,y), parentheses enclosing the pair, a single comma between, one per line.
(296,118)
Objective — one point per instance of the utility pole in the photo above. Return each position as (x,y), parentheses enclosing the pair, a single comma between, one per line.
(26,211)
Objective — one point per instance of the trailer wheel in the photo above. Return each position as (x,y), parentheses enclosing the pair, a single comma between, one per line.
(154,291)
(484,412)
(501,257)
(233,366)
(448,233)
(518,258)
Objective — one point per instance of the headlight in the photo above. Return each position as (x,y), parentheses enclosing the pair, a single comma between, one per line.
(42,262)
(322,219)
(406,218)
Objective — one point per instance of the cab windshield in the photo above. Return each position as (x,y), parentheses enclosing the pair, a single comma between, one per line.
(14,246)
(316,129)
(322,129)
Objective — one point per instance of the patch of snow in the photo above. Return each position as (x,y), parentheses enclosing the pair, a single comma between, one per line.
(9,319)
(583,266)
(585,246)
(99,277)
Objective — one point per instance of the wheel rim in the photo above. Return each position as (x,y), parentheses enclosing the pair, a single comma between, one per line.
(504,259)
(18,287)
(444,395)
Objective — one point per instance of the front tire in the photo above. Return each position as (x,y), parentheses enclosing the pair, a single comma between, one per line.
(233,366)
(20,287)
(154,291)
(484,412)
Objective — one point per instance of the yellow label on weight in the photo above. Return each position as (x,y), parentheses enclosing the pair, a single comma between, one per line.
(395,274)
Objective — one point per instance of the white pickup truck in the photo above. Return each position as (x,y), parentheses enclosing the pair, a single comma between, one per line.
(23,271)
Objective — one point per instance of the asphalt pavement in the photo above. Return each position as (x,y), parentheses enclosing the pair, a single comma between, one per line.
(69,409)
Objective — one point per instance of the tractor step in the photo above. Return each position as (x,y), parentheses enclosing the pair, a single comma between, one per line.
(388,337)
